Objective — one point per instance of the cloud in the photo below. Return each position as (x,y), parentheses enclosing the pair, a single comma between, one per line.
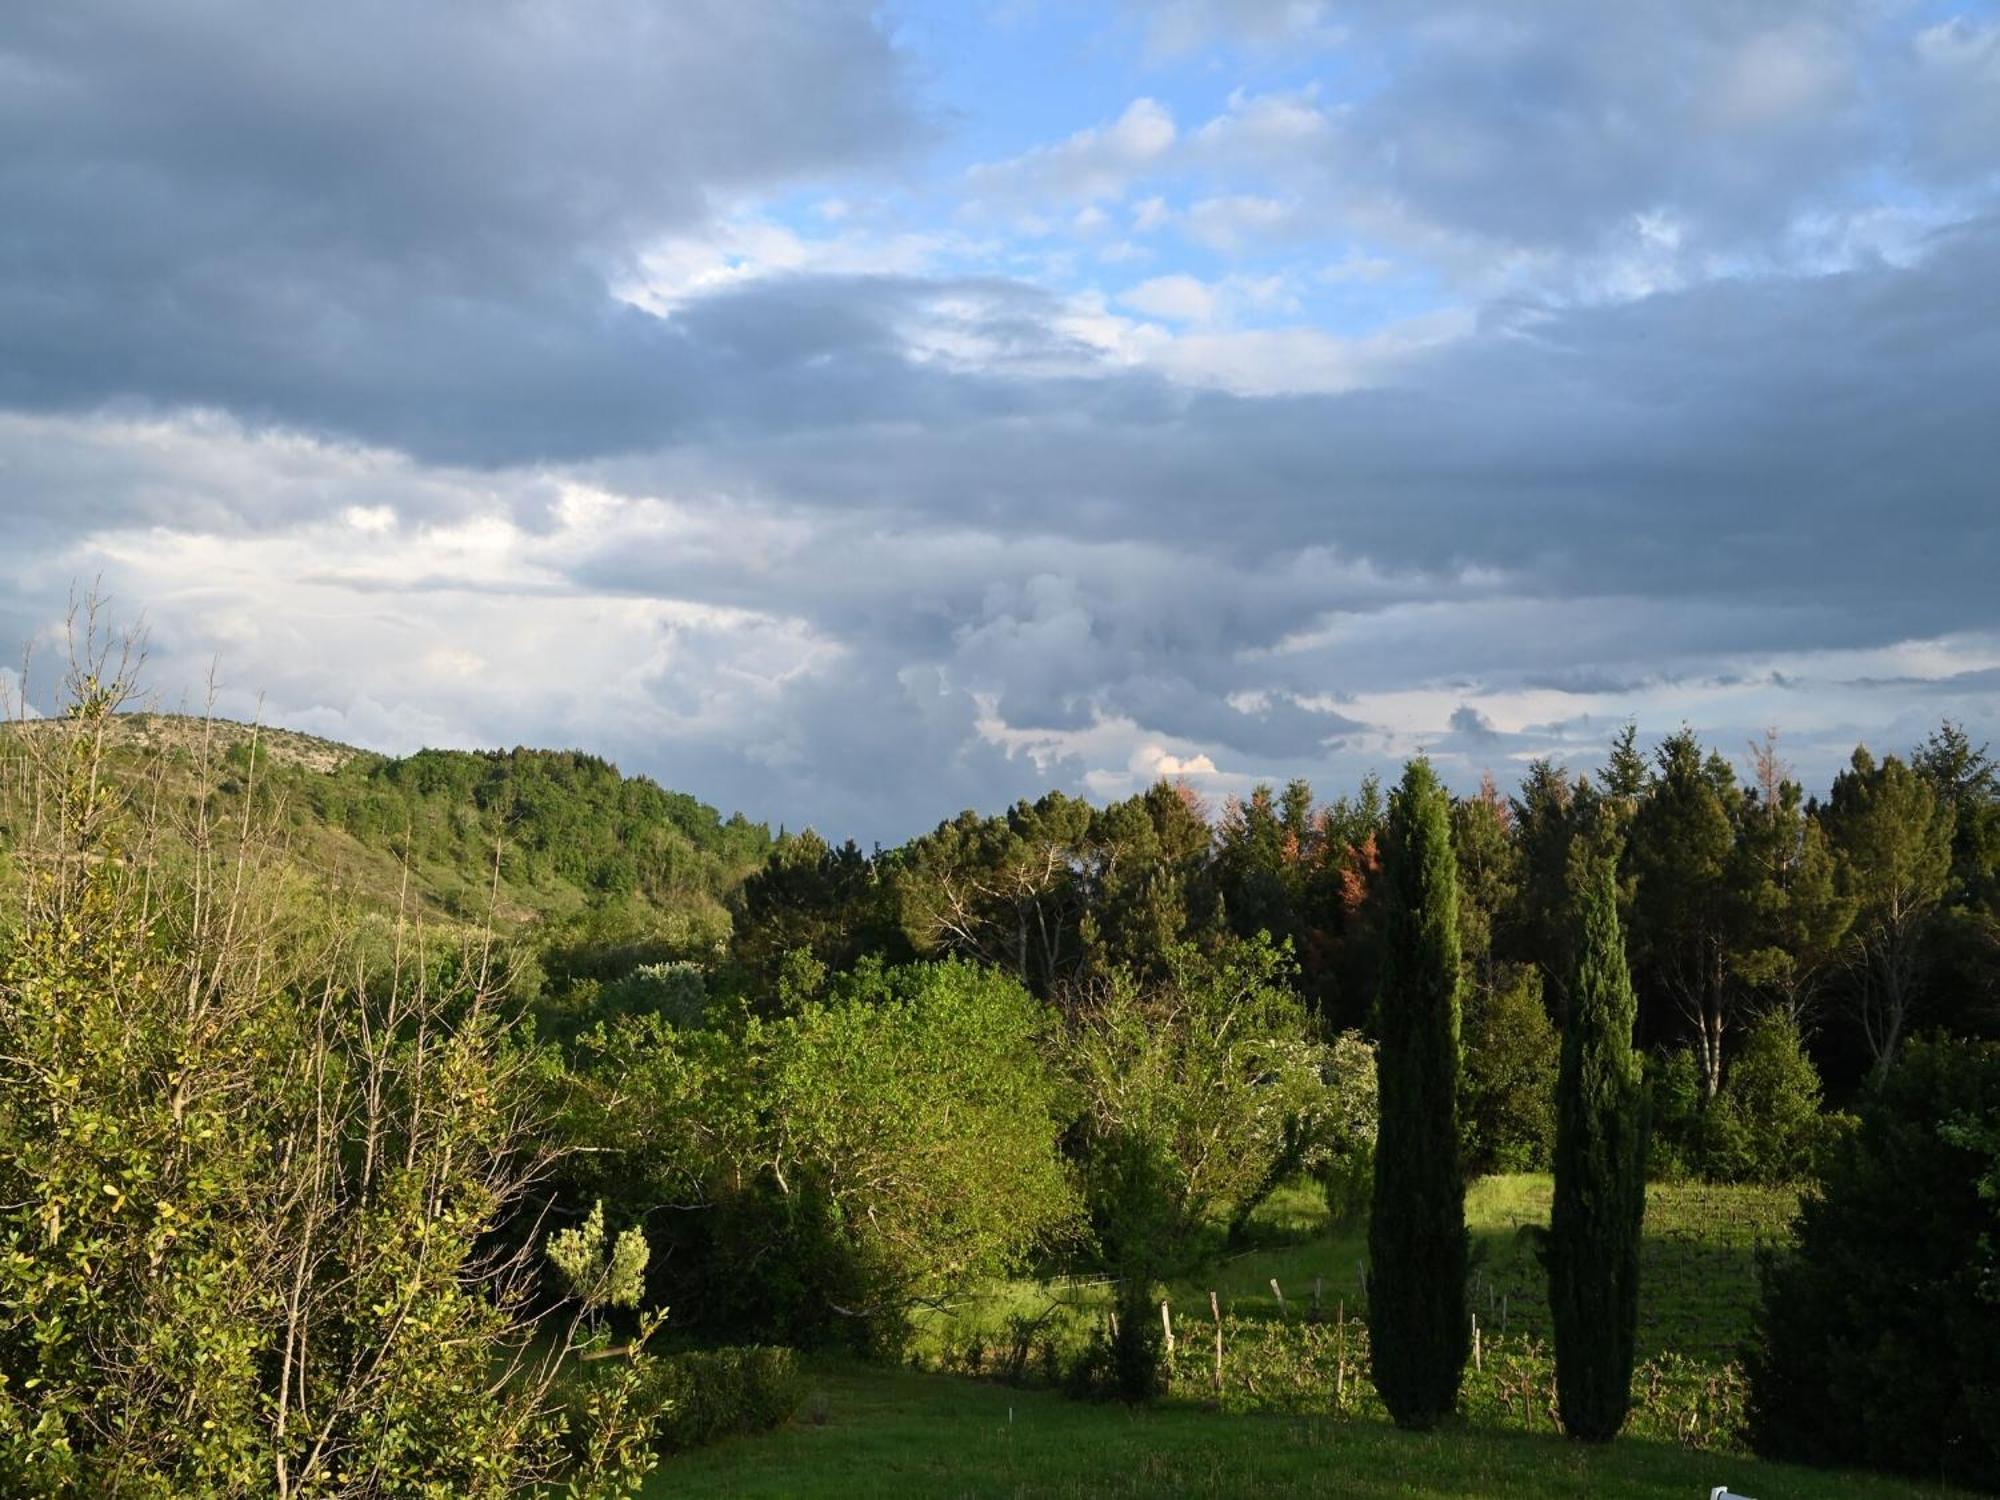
(1552,143)
(870,585)
(1469,723)
(327,216)
(1091,166)
(1180,299)
(1176,27)
(1955,84)
(1542,367)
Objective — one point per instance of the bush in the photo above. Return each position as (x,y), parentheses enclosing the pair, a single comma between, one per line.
(1878,1339)
(872,1150)
(1346,1168)
(708,1394)
(250,1185)
(1766,1125)
(1507,1109)
(1673,1095)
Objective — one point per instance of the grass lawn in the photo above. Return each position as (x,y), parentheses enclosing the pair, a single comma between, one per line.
(890,1432)
(1698,1264)
(882,1432)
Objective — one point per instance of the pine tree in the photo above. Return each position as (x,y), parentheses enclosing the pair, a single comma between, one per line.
(1592,1248)
(1416,1237)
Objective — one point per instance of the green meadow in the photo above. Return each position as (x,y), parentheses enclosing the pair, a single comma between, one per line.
(934,1427)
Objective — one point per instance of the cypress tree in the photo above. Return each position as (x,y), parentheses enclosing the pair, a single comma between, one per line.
(1418,1331)
(1591,1251)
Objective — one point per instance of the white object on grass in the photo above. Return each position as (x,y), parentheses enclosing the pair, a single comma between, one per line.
(1724,1492)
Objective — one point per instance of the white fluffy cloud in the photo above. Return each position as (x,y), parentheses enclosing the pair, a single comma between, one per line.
(1095,164)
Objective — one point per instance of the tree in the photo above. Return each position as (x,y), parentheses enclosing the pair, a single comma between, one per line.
(1686,910)
(1796,919)
(834,1167)
(1967,781)
(1893,839)
(1766,1125)
(1009,891)
(1199,1091)
(1965,957)
(1623,778)
(833,903)
(1215,1071)
(1250,861)
(1347,1164)
(1536,929)
(1150,881)
(1342,941)
(1488,879)
(1877,1337)
(1592,1248)
(1507,1109)
(1417,1239)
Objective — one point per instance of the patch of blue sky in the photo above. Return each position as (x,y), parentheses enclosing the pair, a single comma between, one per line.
(1001,79)
(1007,76)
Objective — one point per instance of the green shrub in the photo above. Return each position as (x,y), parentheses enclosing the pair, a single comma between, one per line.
(1877,1341)
(1507,1107)
(1348,1180)
(1346,1168)
(249,1186)
(1766,1125)
(875,1149)
(1673,1095)
(708,1394)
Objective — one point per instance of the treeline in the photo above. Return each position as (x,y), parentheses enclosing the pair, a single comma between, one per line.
(610,869)
(1761,920)
(553,818)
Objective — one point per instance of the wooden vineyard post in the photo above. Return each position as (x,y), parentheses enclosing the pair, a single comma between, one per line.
(1167,1326)
(1477,1363)
(1284,1316)
(1341,1355)
(1316,1295)
(1215,1311)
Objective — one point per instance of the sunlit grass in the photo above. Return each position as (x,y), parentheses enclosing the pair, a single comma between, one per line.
(877,1433)
(881,1432)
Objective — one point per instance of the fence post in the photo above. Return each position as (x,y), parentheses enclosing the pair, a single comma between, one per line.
(1215,1311)
(1284,1315)
(1340,1347)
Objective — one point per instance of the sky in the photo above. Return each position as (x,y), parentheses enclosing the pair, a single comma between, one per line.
(852,413)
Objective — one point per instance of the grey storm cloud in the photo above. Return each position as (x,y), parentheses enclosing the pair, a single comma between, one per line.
(398,221)
(1792,446)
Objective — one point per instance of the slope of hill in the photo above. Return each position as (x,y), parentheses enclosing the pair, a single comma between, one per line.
(532,835)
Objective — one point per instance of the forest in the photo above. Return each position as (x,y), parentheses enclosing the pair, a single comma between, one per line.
(480,1124)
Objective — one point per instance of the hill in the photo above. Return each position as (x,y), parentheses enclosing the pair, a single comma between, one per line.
(534,836)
